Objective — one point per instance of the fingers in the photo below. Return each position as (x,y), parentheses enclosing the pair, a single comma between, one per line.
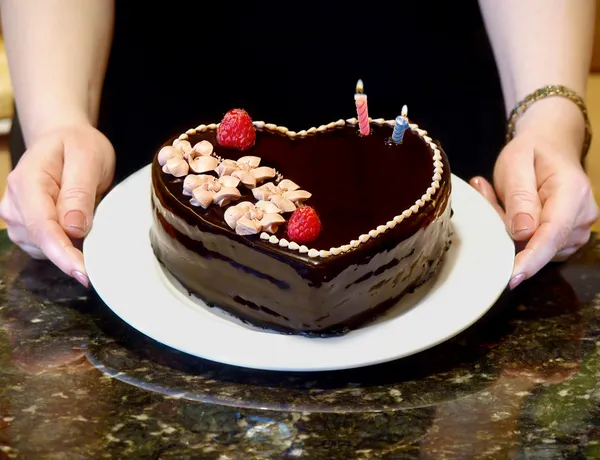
(552,236)
(7,212)
(487,191)
(519,194)
(578,238)
(16,232)
(33,251)
(42,231)
(563,255)
(75,204)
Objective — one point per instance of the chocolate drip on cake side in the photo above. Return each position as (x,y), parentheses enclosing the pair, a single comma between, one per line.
(356,184)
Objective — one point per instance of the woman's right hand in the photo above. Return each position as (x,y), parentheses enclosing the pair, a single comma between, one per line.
(52,192)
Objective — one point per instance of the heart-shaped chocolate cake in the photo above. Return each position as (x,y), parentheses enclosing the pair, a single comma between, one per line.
(314,232)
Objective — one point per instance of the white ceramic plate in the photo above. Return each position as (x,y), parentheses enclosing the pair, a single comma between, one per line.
(124,272)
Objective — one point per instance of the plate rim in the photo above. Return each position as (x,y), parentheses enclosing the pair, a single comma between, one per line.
(99,276)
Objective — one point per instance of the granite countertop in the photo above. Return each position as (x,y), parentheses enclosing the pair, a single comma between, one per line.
(78,383)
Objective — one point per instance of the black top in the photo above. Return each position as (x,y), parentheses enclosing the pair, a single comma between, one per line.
(177,64)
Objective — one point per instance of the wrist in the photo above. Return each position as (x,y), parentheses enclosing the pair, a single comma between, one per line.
(45,124)
(557,120)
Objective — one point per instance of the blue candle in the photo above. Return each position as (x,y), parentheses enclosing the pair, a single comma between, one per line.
(401,126)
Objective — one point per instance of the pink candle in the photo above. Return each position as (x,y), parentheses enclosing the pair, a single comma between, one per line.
(362,109)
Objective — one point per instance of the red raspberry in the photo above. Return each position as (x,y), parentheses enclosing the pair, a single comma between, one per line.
(236,130)
(304,225)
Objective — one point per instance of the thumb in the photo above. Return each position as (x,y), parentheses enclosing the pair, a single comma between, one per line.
(517,188)
(75,204)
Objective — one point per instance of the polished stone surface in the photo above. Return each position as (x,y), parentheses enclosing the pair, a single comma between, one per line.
(77,383)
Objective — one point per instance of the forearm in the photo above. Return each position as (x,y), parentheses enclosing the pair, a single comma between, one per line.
(57,52)
(540,42)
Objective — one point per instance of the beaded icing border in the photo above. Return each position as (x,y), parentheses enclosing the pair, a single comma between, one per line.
(438,169)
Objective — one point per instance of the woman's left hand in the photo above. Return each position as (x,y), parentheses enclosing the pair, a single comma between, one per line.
(541,189)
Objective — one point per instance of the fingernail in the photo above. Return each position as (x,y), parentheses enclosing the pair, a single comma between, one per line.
(521,223)
(516,280)
(75,219)
(81,278)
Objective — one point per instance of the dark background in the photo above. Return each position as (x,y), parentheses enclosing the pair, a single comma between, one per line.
(178,64)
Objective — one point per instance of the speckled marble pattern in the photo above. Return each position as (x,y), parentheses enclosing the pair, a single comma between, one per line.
(77,383)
